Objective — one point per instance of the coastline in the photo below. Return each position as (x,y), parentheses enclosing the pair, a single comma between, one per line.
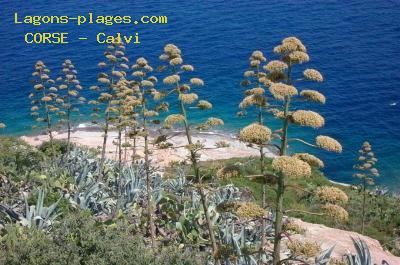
(91,136)
(87,134)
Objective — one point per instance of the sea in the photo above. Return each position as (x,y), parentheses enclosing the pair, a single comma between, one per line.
(355,44)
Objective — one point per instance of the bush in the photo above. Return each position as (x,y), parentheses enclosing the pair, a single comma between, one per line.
(60,147)
(79,239)
(17,157)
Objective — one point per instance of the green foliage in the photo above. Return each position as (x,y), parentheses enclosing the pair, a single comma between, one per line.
(17,158)
(79,239)
(60,147)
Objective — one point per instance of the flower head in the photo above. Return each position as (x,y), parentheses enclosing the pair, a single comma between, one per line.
(281,90)
(310,159)
(250,210)
(331,195)
(276,66)
(188,98)
(306,249)
(313,96)
(308,118)
(197,82)
(290,44)
(313,75)
(336,212)
(173,119)
(255,134)
(291,167)
(297,57)
(172,79)
(204,104)
(328,143)
(229,171)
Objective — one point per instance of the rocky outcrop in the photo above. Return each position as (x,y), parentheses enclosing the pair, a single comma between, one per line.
(341,239)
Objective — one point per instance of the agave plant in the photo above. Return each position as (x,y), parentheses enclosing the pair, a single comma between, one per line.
(38,215)
(362,256)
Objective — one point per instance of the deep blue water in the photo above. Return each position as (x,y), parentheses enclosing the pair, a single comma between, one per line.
(355,44)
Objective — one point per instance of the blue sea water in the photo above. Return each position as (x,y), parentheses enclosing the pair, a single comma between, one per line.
(355,44)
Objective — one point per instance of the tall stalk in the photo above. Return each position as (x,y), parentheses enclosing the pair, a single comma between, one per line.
(277,78)
(366,171)
(172,55)
(115,69)
(145,85)
(43,100)
(69,100)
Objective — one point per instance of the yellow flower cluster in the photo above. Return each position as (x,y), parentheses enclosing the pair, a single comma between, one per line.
(187,68)
(313,96)
(281,90)
(197,82)
(291,167)
(173,118)
(331,194)
(328,143)
(104,80)
(170,52)
(306,249)
(255,91)
(204,104)
(227,172)
(176,61)
(211,122)
(252,100)
(290,44)
(298,57)
(250,210)
(293,227)
(313,75)
(308,118)
(310,159)
(276,66)
(188,98)
(172,79)
(336,212)
(257,55)
(255,134)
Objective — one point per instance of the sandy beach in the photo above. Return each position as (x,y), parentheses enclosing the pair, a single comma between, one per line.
(93,138)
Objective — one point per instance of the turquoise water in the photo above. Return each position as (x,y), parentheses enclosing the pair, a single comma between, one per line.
(353,43)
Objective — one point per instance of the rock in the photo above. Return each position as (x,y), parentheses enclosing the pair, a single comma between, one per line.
(341,239)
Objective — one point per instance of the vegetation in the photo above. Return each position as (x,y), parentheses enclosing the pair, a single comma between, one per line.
(63,204)
(366,171)
(70,100)
(172,55)
(278,77)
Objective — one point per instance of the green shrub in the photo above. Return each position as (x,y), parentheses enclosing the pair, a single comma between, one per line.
(60,147)
(79,239)
(17,157)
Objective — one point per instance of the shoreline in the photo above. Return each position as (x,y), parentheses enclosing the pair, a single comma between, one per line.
(84,134)
(91,136)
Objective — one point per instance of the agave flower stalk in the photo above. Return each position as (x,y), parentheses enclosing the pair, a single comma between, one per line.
(70,100)
(145,84)
(43,99)
(256,98)
(172,55)
(366,171)
(278,78)
(114,69)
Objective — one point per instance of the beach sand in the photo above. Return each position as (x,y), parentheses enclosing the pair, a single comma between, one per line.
(93,138)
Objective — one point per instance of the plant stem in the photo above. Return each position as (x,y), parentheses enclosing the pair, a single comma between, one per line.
(148,175)
(196,170)
(363,207)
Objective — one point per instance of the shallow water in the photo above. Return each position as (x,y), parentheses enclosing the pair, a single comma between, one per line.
(353,43)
